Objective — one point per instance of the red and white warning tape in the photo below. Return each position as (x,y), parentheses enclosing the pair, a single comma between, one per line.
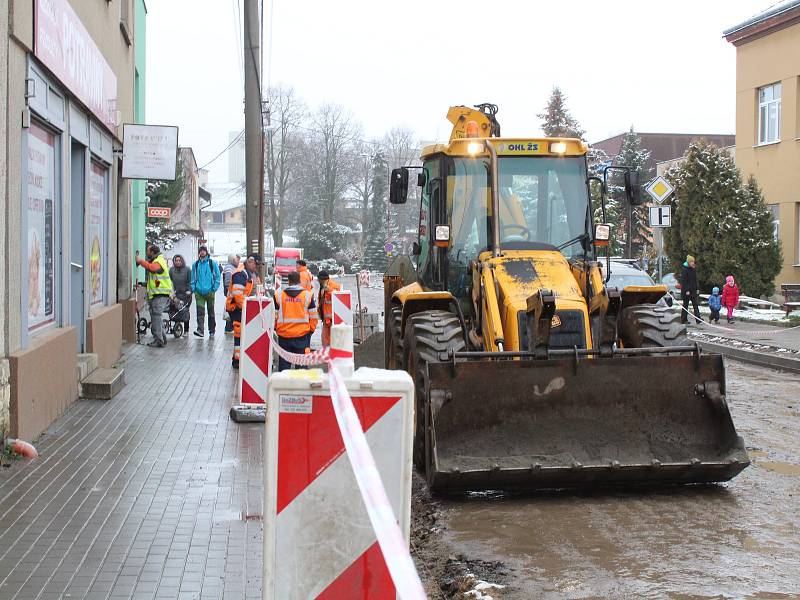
(733,330)
(317,357)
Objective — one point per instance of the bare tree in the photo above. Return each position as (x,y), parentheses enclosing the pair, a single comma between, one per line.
(402,150)
(363,178)
(329,156)
(283,150)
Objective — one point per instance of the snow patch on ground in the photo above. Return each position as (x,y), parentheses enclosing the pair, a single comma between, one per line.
(481,590)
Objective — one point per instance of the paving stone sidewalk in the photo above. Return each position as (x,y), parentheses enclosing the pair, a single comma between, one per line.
(154,494)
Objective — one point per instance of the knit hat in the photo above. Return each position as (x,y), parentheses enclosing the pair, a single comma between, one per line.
(715,290)
(201,248)
(689,258)
(323,275)
(729,280)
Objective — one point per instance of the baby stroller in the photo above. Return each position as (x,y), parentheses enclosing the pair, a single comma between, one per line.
(177,314)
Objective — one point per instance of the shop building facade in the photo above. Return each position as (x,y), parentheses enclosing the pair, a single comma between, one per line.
(67,82)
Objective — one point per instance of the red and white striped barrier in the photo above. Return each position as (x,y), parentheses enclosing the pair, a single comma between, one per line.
(320,541)
(342,307)
(255,359)
(363,278)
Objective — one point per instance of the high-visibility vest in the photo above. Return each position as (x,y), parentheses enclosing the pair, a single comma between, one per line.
(159,284)
(306,278)
(293,318)
(327,301)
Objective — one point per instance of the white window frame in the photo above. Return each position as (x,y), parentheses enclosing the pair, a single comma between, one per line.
(774,210)
(764,108)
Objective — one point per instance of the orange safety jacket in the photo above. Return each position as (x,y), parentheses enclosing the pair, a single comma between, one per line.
(326,300)
(238,291)
(306,278)
(296,315)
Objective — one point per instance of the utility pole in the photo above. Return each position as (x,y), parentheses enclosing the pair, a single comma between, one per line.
(253,130)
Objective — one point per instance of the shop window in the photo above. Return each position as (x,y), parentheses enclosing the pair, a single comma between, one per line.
(769,114)
(41,218)
(98,226)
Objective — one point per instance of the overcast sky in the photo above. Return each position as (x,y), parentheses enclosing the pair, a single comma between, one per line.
(657,65)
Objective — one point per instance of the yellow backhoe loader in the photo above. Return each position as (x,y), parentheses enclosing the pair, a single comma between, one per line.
(530,372)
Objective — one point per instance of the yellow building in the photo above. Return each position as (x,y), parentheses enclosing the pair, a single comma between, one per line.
(768,118)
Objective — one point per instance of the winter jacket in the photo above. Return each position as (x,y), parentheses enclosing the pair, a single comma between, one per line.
(688,281)
(715,302)
(181,280)
(205,276)
(730,295)
(227,272)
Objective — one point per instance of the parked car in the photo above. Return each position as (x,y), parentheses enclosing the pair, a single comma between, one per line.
(624,274)
(671,282)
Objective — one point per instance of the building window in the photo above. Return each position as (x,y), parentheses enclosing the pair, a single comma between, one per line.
(217,217)
(98,203)
(774,210)
(769,113)
(41,220)
(125,21)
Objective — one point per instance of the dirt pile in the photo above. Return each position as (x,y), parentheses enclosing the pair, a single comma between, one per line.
(369,353)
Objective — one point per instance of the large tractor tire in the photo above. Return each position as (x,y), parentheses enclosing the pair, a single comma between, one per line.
(428,337)
(651,326)
(394,340)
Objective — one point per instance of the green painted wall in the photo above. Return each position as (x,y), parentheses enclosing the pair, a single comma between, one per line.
(139,208)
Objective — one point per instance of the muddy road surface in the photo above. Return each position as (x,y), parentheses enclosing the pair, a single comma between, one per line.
(735,540)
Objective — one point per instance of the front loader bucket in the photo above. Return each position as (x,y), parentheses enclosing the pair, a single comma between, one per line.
(534,424)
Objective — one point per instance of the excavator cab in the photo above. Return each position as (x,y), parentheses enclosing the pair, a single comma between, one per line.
(530,373)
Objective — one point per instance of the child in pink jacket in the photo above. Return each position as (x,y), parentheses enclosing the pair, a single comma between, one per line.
(730,296)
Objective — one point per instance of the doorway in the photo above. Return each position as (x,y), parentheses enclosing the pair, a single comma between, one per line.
(77,303)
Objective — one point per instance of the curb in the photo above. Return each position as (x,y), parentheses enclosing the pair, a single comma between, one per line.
(772,361)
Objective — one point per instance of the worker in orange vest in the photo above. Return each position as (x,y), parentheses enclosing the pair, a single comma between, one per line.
(306,278)
(325,301)
(296,319)
(243,284)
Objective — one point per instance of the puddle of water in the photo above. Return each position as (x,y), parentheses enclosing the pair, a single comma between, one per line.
(781,468)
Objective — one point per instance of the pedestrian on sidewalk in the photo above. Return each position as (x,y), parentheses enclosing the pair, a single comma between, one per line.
(296,319)
(306,278)
(244,282)
(689,289)
(730,296)
(159,290)
(181,278)
(227,272)
(325,302)
(714,305)
(205,283)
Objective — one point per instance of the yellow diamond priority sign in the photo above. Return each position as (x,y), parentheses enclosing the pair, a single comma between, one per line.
(659,189)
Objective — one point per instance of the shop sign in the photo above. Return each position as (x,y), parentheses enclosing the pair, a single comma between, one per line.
(66,48)
(158,212)
(149,151)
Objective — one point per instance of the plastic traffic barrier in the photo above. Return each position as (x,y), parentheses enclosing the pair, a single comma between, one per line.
(255,359)
(320,540)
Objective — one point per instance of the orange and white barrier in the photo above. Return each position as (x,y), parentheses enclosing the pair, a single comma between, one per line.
(338,481)
(255,362)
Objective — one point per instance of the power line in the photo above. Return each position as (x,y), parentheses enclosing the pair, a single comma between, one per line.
(237,27)
(224,150)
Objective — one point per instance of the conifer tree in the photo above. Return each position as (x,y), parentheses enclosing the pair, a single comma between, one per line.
(556,119)
(724,224)
(631,154)
(374,253)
